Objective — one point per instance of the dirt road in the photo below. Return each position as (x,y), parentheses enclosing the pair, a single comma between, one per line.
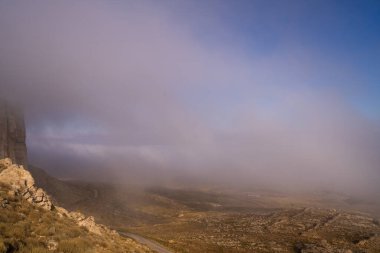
(151,244)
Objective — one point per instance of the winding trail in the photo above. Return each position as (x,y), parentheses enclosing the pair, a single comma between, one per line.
(151,244)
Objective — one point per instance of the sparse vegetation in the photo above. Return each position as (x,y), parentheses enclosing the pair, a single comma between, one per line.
(206,221)
(191,220)
(25,228)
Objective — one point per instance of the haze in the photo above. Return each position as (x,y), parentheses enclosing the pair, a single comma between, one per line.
(270,93)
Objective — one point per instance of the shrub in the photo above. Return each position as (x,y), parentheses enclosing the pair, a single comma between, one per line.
(77,245)
(2,246)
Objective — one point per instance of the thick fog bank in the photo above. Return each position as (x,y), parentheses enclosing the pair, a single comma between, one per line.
(135,91)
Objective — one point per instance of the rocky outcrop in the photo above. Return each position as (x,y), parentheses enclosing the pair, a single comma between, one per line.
(90,224)
(22,184)
(12,134)
(41,223)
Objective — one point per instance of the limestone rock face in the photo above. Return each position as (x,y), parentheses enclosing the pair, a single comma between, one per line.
(22,183)
(90,224)
(12,134)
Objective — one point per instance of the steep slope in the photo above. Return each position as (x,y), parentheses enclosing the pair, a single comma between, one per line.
(29,222)
(115,205)
(64,193)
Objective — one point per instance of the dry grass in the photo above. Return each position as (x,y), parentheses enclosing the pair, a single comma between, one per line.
(26,228)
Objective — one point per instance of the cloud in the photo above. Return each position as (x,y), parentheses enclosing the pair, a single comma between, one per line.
(123,88)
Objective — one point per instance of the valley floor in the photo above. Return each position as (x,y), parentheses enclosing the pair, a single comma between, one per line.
(204,220)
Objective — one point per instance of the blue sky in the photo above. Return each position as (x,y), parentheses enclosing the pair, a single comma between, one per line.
(344,34)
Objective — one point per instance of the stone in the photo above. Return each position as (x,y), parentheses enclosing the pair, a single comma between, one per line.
(4,203)
(88,222)
(22,183)
(52,245)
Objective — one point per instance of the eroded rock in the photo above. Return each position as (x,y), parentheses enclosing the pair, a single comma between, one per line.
(22,183)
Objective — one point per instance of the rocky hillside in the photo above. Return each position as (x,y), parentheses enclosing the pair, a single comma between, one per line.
(63,193)
(30,222)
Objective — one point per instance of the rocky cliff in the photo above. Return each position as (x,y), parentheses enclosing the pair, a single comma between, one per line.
(22,184)
(29,222)
(12,134)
